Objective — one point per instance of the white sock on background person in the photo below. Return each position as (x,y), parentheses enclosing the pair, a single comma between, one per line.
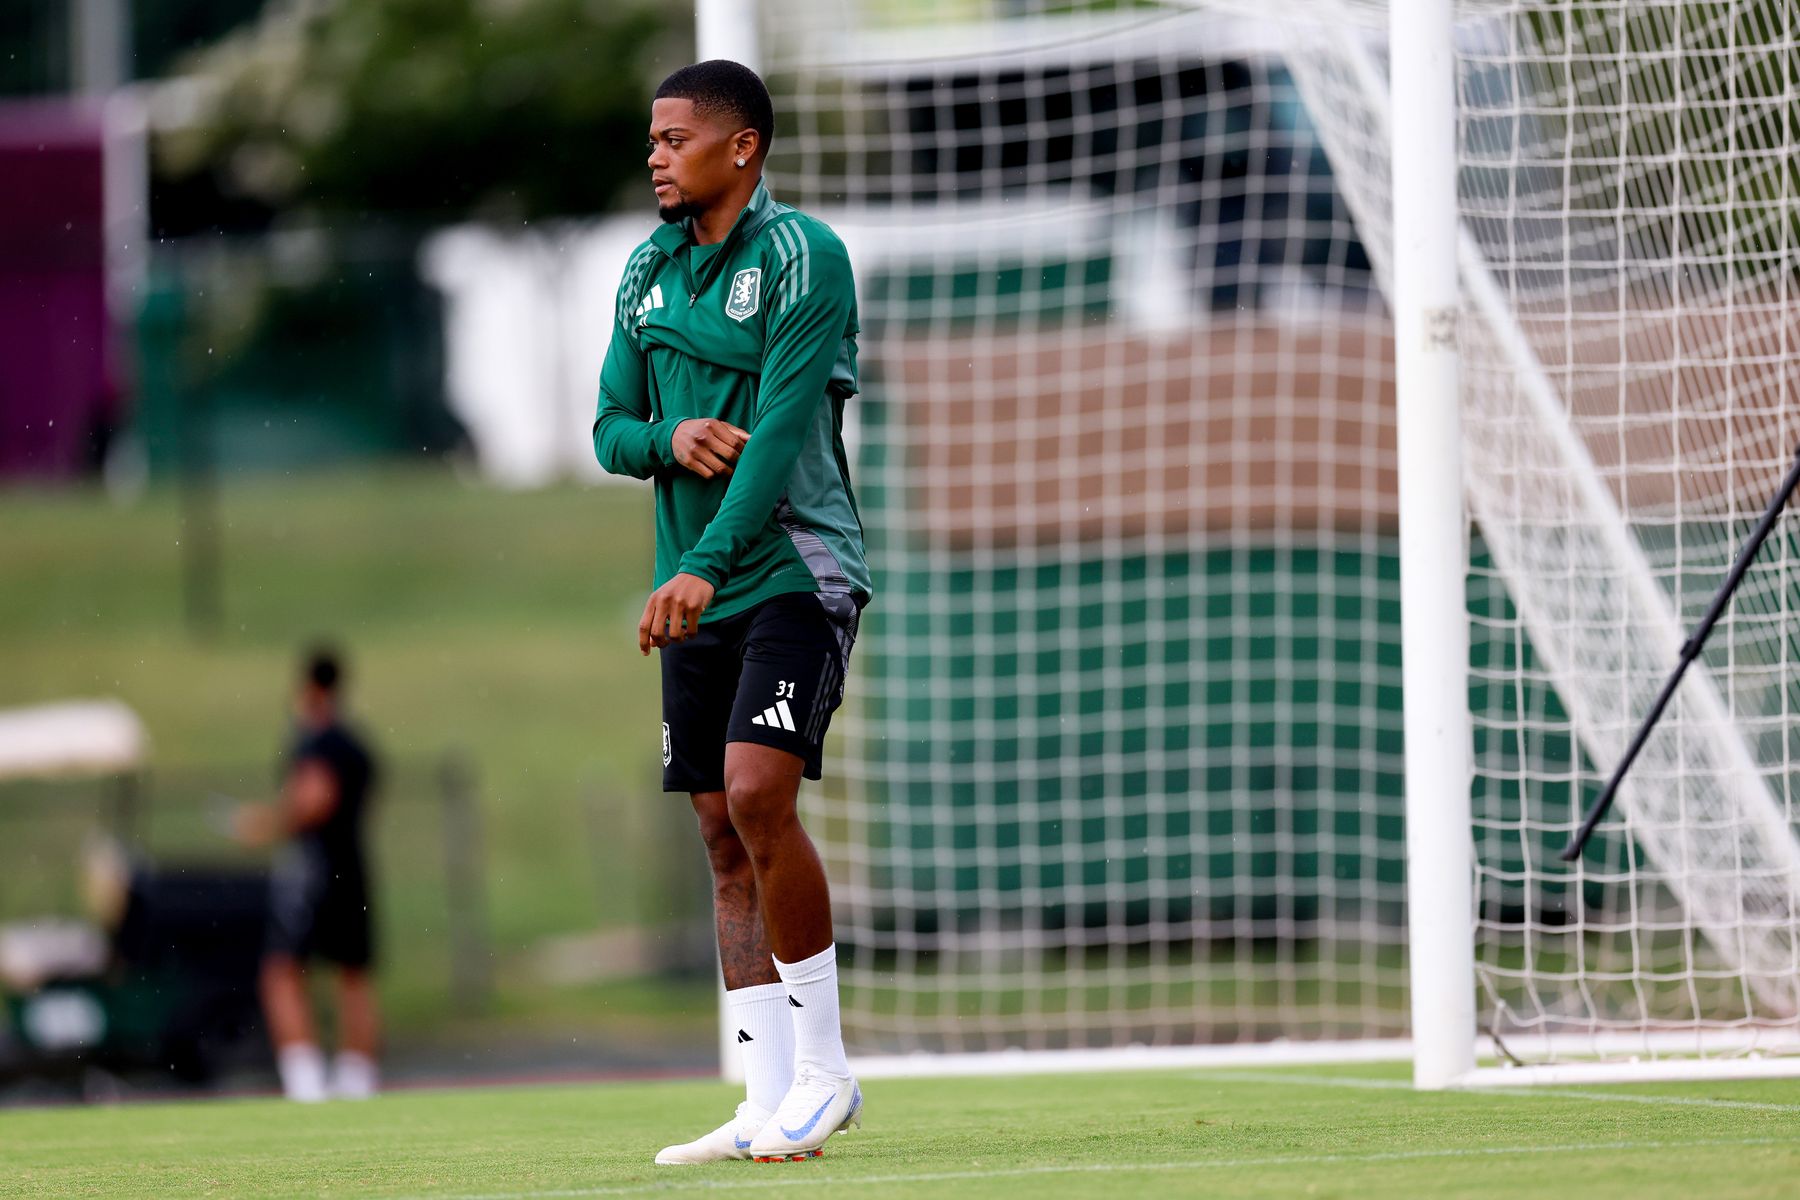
(354,1076)
(765,1036)
(302,1070)
(812,989)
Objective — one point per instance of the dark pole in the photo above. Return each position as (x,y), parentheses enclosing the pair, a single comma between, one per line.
(199,522)
(1690,650)
(471,977)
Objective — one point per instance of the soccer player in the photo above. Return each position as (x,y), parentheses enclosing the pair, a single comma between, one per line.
(732,354)
(319,893)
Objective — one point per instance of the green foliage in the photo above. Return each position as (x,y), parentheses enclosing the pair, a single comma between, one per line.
(428,109)
(34,47)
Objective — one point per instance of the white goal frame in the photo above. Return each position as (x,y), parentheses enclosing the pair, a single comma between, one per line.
(1434,629)
(1439,278)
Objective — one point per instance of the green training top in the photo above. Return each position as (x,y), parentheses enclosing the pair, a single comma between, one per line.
(758,330)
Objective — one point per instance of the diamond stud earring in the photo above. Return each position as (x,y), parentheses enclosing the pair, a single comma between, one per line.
(740,162)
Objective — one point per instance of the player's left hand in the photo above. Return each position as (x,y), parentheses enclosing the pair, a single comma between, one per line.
(673,612)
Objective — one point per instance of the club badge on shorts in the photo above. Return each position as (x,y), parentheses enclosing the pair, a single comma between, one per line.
(746,294)
(668,753)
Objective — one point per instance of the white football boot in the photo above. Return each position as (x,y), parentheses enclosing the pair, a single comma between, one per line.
(730,1140)
(817,1106)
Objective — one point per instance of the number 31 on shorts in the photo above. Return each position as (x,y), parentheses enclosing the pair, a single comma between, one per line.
(784,689)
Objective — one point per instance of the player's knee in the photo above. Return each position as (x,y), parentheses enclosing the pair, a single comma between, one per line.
(724,849)
(725,852)
(760,814)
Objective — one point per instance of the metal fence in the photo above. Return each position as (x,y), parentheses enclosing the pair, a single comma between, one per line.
(425,836)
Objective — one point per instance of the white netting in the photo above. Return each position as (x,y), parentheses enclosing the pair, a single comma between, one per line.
(1627,184)
(1625,177)
(1123,758)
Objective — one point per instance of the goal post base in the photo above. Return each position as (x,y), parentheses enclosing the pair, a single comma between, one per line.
(1781,1062)
(1655,1070)
(1130,1058)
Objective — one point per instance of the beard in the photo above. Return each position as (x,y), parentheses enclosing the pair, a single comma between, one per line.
(681,210)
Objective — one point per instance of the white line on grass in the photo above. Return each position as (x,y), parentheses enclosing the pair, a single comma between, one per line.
(1352,1081)
(792,1178)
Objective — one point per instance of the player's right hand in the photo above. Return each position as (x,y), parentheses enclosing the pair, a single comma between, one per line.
(707,446)
(673,611)
(255,825)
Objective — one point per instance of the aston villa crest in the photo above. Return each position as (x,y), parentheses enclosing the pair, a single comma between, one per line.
(746,294)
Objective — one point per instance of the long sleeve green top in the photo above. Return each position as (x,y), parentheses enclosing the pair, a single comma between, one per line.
(758,330)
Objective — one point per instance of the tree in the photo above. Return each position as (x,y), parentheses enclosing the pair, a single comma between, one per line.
(425,110)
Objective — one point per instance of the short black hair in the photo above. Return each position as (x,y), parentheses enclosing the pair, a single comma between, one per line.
(324,668)
(720,87)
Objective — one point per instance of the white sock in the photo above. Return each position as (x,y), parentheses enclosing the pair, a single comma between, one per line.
(813,1000)
(353,1076)
(765,1034)
(302,1070)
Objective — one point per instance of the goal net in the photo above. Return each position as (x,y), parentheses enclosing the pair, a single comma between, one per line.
(1122,762)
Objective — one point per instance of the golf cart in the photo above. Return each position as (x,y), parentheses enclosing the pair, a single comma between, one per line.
(158,974)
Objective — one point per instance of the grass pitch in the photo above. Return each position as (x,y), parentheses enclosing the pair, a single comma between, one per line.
(1316,1132)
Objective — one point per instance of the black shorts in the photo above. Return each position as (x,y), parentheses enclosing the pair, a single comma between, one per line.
(318,909)
(772,675)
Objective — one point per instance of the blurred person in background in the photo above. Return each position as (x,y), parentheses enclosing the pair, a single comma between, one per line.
(319,892)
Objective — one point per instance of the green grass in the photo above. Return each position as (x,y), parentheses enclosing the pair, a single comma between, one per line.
(496,622)
(1313,1132)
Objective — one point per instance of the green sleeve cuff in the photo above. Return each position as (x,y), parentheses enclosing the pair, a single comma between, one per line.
(662,440)
(706,573)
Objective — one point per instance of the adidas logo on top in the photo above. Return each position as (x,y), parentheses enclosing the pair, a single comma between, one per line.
(778,717)
(652,299)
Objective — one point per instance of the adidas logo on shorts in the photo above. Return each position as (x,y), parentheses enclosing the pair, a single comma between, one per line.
(778,717)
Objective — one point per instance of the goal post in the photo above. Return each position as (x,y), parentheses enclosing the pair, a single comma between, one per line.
(1433,536)
(1288,493)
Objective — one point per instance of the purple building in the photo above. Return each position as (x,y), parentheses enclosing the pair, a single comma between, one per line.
(59,392)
